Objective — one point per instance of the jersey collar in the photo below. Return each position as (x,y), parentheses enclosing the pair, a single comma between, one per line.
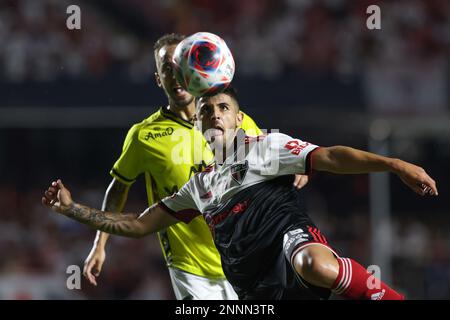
(166,113)
(238,152)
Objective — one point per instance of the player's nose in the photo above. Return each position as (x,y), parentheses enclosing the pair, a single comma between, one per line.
(217,113)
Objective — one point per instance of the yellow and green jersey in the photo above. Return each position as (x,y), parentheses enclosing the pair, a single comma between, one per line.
(168,150)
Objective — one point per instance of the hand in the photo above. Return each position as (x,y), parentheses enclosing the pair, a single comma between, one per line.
(57,197)
(300,181)
(93,264)
(416,178)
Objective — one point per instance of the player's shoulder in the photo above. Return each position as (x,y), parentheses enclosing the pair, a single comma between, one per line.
(149,122)
(137,131)
(154,119)
(252,139)
(276,137)
(275,140)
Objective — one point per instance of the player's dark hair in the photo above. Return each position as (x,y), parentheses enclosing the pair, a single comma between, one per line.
(167,40)
(229,91)
(232,92)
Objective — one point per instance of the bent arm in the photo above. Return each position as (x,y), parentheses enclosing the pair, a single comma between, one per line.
(132,225)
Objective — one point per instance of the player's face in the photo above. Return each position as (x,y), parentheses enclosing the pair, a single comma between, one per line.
(219,116)
(165,77)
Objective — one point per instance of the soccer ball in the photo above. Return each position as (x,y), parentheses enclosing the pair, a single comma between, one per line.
(203,64)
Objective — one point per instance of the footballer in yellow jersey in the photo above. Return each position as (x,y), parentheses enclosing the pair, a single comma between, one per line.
(156,147)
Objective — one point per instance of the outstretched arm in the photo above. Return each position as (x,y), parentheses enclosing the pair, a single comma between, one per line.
(344,160)
(155,218)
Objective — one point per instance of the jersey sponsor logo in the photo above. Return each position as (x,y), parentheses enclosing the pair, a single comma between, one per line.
(296,147)
(296,231)
(212,221)
(238,171)
(155,135)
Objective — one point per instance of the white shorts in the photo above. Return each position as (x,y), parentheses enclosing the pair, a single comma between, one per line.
(188,286)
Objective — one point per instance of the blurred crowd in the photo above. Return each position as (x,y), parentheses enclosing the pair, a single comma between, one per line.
(403,67)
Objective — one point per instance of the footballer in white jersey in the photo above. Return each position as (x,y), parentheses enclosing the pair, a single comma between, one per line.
(251,207)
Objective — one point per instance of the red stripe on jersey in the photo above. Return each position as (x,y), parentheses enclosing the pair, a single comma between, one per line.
(319,236)
(249,139)
(324,240)
(310,229)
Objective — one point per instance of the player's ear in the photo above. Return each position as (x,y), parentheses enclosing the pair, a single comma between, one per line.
(239,118)
(158,80)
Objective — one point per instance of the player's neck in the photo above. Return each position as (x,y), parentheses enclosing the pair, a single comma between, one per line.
(221,153)
(186,112)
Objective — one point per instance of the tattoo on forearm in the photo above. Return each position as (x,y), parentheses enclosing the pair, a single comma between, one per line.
(121,224)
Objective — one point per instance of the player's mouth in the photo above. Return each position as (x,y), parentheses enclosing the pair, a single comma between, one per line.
(213,132)
(179,91)
(217,130)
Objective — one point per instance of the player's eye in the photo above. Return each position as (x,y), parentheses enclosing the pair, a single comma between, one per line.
(204,110)
(224,107)
(167,67)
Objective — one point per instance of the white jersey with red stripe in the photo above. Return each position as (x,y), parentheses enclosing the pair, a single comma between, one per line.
(254,160)
(250,204)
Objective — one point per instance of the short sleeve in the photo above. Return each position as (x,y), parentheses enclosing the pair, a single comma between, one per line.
(181,204)
(129,165)
(286,155)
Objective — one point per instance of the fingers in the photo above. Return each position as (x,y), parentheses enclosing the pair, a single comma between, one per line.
(45,202)
(95,271)
(300,181)
(87,272)
(427,185)
(419,181)
(427,188)
(430,186)
(60,184)
(51,194)
(50,197)
(419,188)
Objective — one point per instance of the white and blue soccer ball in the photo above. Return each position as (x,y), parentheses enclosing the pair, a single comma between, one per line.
(203,64)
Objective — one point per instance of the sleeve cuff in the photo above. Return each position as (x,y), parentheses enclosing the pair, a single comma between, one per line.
(114,173)
(309,162)
(185,215)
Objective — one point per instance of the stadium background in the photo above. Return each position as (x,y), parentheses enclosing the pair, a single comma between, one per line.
(309,68)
